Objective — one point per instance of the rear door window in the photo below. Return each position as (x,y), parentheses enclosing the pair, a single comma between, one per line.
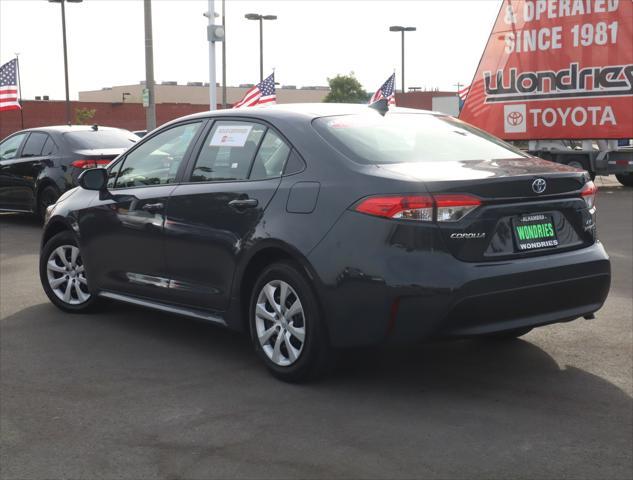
(49,147)
(228,151)
(34,144)
(271,157)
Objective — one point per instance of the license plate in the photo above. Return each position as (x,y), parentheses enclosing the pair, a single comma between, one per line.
(534,231)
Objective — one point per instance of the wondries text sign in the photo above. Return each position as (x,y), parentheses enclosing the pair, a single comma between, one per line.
(556,69)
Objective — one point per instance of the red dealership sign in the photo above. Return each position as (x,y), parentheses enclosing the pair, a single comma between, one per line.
(556,69)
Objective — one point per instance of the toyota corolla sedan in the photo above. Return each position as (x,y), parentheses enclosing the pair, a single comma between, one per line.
(318,227)
(39,164)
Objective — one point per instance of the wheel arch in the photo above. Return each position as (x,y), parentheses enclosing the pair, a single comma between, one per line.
(264,254)
(54,226)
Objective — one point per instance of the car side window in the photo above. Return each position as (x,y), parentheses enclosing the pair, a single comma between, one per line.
(271,157)
(9,148)
(112,174)
(49,147)
(156,161)
(228,151)
(295,163)
(34,144)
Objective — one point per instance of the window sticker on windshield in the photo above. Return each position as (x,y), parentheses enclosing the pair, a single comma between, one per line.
(230,136)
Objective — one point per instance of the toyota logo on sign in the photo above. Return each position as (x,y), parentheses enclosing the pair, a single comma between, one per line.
(515,118)
(539,185)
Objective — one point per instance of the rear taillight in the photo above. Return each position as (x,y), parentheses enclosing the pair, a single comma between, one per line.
(451,208)
(588,192)
(100,162)
(410,207)
(425,208)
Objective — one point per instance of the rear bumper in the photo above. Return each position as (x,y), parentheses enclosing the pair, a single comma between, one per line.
(408,291)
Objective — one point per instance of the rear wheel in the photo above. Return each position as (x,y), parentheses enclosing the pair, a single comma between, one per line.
(63,275)
(625,179)
(286,326)
(46,197)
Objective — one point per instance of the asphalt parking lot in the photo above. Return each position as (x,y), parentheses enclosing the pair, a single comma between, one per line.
(131,393)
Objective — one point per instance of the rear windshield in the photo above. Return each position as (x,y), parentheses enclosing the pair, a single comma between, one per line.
(89,139)
(406,137)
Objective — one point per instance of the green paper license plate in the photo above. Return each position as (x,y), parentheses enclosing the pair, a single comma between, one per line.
(534,231)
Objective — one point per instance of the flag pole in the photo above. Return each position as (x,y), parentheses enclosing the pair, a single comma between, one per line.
(17,67)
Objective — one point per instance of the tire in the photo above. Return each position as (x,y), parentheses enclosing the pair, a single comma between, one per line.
(581,162)
(58,270)
(625,179)
(47,196)
(509,334)
(302,350)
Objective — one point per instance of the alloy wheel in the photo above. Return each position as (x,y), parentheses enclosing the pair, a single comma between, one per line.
(66,275)
(280,323)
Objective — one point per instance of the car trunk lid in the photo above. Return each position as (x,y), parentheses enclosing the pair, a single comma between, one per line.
(528,206)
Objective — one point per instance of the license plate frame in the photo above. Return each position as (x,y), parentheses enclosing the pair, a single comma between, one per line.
(534,231)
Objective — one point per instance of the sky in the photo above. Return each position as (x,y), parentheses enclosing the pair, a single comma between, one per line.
(309,42)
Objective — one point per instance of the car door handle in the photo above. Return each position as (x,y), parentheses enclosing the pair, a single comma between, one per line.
(153,207)
(243,203)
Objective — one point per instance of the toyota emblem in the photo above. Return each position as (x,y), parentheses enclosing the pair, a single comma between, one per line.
(539,185)
(515,118)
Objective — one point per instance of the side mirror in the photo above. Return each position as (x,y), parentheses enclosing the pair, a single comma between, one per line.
(94,179)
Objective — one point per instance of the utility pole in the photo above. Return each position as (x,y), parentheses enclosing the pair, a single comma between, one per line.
(213,101)
(224,105)
(149,67)
(459,86)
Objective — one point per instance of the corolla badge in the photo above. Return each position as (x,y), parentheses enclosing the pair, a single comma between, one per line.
(539,185)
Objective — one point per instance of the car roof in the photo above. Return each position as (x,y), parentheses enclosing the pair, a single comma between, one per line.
(306,111)
(68,128)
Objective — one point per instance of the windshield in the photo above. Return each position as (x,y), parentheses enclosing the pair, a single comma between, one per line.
(405,137)
(92,139)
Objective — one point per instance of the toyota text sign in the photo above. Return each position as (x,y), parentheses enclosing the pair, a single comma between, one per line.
(556,69)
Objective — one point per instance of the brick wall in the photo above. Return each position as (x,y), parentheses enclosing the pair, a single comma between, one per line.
(123,115)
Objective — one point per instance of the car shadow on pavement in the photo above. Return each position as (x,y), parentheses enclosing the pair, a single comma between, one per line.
(446,365)
(169,384)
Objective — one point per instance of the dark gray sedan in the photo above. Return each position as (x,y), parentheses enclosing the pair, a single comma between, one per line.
(39,164)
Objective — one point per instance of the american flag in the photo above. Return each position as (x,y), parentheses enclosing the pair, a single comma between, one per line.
(262,93)
(387,91)
(463,93)
(476,98)
(9,86)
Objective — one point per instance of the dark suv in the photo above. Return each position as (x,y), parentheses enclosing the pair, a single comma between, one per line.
(39,164)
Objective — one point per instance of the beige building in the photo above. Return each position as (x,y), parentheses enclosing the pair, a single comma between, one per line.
(197,93)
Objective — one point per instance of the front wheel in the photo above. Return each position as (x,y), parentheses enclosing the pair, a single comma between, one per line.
(286,326)
(625,179)
(63,275)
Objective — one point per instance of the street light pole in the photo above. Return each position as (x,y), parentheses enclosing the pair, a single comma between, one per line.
(224,105)
(261,18)
(397,28)
(68,121)
(261,49)
(149,67)
(213,101)
(62,3)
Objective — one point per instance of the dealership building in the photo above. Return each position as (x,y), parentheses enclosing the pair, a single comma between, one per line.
(121,106)
(197,93)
